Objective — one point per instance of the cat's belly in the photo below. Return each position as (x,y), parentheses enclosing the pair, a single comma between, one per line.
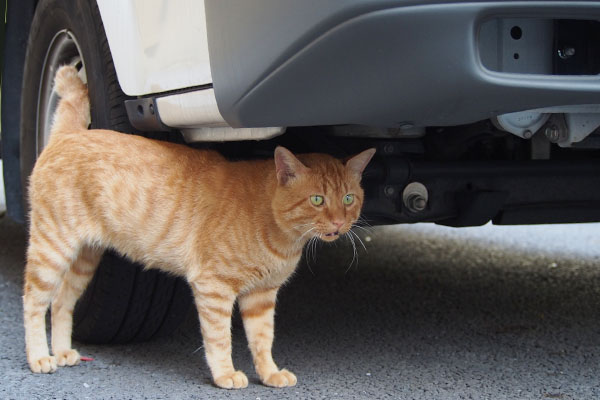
(195,248)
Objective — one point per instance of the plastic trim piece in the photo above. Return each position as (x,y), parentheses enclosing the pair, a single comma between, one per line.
(143,115)
(191,109)
(194,113)
(228,134)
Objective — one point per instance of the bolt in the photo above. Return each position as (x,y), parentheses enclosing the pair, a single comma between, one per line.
(566,52)
(151,107)
(552,133)
(415,202)
(405,125)
(527,134)
(415,197)
(389,191)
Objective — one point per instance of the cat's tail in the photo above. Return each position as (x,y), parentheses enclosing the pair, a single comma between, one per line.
(73,111)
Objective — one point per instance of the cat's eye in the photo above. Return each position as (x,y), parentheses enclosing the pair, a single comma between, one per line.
(348,199)
(316,200)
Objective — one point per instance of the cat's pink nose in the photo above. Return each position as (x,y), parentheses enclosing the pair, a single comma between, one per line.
(338,223)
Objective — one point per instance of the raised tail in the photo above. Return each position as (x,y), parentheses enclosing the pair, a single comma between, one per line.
(73,111)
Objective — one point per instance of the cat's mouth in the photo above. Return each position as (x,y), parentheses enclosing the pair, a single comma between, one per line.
(331,236)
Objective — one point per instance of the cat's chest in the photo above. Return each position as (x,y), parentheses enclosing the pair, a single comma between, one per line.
(272,247)
(275,271)
(284,266)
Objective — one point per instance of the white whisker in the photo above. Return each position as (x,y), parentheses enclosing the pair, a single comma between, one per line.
(315,249)
(358,237)
(307,252)
(303,225)
(364,224)
(362,228)
(364,221)
(299,240)
(301,236)
(354,254)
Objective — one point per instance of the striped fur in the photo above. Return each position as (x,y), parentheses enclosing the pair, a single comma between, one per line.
(234,230)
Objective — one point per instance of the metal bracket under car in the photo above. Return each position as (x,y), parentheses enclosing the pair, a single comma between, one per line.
(564,125)
(403,189)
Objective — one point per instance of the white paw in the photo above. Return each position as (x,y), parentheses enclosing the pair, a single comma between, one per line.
(281,378)
(44,365)
(236,380)
(67,357)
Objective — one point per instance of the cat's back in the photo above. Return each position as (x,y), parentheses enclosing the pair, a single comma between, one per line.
(107,167)
(115,147)
(97,153)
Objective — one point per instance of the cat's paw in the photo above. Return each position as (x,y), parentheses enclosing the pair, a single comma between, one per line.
(67,357)
(236,380)
(281,378)
(43,365)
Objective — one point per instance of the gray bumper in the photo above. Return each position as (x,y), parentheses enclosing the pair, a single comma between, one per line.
(375,62)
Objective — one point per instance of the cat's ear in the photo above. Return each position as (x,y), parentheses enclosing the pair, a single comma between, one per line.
(358,163)
(287,165)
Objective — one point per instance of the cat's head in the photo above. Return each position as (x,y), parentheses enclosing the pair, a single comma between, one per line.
(317,194)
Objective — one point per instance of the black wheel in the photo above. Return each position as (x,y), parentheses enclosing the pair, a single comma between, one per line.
(122,303)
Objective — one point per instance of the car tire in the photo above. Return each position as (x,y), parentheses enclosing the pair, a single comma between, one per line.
(123,303)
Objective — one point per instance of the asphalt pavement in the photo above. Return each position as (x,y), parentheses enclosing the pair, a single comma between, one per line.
(427,313)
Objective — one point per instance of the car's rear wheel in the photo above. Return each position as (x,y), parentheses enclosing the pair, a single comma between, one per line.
(122,303)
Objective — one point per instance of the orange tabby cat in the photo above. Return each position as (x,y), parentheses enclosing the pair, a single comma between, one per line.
(234,230)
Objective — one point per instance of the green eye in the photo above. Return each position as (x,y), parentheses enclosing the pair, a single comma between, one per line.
(348,199)
(316,200)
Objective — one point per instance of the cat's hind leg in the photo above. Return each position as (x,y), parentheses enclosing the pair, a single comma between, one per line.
(74,283)
(48,259)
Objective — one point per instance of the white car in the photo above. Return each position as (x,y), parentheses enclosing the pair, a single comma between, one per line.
(480,110)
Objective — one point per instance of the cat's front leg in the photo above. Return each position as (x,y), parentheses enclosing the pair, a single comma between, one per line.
(258,312)
(215,303)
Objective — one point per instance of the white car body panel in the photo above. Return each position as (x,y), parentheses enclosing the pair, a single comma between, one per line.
(161,45)
(157,45)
